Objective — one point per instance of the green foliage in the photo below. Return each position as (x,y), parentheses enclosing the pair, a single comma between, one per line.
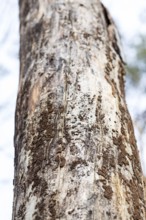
(137,67)
(133,73)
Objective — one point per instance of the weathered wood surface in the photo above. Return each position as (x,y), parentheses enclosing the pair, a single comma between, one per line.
(75,151)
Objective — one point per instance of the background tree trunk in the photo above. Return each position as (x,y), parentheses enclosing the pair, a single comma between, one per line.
(75,150)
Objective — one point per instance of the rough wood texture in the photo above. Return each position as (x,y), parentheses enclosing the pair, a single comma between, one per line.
(75,151)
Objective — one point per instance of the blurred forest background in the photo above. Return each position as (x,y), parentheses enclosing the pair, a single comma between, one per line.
(130,18)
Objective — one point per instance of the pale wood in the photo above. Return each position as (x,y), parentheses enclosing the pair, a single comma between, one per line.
(75,151)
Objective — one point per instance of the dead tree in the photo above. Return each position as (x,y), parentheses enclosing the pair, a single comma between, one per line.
(75,151)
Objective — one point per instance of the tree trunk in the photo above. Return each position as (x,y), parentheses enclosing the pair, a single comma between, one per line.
(75,151)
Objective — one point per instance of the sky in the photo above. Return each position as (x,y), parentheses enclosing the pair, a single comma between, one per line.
(127,16)
(9,71)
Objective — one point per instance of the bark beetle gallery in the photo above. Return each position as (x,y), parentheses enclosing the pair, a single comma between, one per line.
(75,151)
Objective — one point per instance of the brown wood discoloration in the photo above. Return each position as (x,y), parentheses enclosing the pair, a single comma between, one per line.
(75,151)
(34,97)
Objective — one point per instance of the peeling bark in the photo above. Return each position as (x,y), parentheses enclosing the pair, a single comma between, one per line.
(75,151)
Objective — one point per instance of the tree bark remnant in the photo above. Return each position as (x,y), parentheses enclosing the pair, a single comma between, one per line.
(75,151)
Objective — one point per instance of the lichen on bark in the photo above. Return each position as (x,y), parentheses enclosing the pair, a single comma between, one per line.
(75,150)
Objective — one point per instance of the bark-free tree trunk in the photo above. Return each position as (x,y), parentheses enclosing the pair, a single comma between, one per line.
(75,150)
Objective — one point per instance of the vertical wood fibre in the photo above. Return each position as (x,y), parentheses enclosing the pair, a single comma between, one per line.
(75,151)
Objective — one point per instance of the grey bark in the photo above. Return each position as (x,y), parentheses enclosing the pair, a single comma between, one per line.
(75,151)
